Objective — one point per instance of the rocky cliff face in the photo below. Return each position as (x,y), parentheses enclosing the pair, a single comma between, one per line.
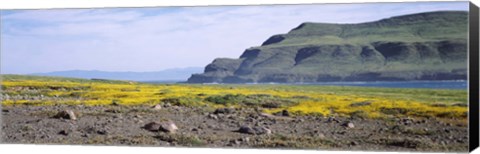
(425,46)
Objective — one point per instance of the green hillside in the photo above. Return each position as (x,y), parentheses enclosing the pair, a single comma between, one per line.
(424,46)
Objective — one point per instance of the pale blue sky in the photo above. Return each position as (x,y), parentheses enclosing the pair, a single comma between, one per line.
(152,39)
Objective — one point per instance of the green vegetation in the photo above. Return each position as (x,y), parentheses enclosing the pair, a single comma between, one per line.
(425,46)
(255,100)
(424,27)
(298,99)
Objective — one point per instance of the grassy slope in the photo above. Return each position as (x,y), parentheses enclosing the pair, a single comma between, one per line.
(414,32)
(451,25)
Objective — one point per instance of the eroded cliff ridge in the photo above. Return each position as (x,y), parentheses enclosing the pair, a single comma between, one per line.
(423,46)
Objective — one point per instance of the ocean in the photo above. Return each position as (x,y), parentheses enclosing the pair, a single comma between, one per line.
(454,84)
(457,84)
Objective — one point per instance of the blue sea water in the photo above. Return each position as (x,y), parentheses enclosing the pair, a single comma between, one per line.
(452,84)
(458,84)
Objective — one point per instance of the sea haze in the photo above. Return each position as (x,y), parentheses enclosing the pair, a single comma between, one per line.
(168,75)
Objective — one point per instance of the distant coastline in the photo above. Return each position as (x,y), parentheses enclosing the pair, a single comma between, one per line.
(174,74)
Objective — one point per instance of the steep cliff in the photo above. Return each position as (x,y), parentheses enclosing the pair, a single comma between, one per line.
(424,46)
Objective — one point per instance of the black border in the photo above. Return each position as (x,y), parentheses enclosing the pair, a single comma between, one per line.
(473,77)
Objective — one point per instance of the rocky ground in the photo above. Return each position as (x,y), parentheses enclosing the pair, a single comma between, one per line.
(168,125)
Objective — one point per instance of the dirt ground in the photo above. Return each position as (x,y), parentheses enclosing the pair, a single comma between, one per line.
(205,127)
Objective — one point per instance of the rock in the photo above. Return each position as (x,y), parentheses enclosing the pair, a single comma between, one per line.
(332,119)
(246,130)
(421,121)
(406,121)
(232,117)
(112,111)
(85,135)
(235,142)
(89,129)
(64,132)
(167,105)
(443,142)
(246,139)
(348,125)
(257,130)
(266,115)
(168,127)
(353,143)
(45,136)
(284,113)
(451,138)
(102,132)
(224,111)
(66,114)
(446,130)
(212,116)
(157,107)
(341,132)
(152,126)
(321,135)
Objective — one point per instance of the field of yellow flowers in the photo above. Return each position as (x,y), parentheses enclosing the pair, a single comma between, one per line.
(298,99)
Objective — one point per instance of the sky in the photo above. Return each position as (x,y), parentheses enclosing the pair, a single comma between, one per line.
(159,38)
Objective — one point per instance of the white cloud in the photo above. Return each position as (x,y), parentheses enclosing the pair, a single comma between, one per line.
(149,39)
(72,15)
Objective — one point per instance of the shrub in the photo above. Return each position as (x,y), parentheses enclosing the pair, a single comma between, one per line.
(359,114)
(394,111)
(182,101)
(226,99)
(358,104)
(255,100)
